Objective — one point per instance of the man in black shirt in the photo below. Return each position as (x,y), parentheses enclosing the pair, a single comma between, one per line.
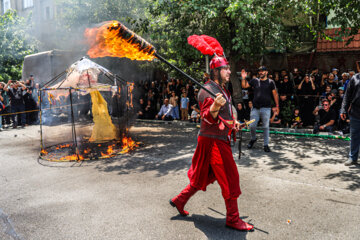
(327,118)
(351,106)
(17,93)
(264,89)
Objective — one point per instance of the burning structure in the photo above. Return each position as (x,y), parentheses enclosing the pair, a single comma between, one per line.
(85,113)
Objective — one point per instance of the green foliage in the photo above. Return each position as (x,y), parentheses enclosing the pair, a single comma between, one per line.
(15,44)
(346,16)
(245,29)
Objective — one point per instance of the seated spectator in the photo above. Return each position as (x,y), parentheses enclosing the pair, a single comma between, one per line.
(286,109)
(341,93)
(141,109)
(165,112)
(241,113)
(248,110)
(174,102)
(150,111)
(195,115)
(327,91)
(344,125)
(327,118)
(184,106)
(296,121)
(275,120)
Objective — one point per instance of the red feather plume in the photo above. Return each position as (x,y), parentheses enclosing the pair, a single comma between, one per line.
(206,45)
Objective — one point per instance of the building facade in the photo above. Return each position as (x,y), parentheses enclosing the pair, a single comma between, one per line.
(42,14)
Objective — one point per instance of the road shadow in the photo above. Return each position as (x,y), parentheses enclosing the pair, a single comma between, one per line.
(352,176)
(213,228)
(167,149)
(299,147)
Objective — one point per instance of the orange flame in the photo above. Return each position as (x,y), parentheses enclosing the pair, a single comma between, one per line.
(113,39)
(128,145)
(73,157)
(43,152)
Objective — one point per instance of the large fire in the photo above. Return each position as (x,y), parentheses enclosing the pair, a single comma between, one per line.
(113,39)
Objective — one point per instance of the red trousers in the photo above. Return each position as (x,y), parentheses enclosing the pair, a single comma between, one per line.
(213,160)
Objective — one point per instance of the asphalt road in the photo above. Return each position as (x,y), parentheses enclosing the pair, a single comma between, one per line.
(301,190)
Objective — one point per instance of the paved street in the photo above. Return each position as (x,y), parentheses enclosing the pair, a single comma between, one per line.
(301,190)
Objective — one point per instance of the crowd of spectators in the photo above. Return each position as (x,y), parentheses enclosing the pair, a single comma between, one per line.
(307,100)
(18,103)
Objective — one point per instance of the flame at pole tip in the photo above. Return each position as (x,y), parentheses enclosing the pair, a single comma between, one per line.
(113,39)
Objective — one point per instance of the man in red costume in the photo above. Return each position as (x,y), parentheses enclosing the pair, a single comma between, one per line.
(213,159)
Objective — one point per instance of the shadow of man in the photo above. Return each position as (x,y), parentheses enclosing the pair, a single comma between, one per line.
(213,228)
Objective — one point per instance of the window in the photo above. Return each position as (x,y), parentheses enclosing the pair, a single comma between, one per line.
(7,5)
(28,3)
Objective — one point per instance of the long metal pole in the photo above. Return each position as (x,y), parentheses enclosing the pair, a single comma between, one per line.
(183,73)
(73,126)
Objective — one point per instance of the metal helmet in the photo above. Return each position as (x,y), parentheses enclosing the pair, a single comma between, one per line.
(217,61)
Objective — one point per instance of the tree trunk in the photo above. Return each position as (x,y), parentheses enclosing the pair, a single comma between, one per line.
(235,82)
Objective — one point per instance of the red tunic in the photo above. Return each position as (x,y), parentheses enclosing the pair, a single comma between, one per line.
(213,158)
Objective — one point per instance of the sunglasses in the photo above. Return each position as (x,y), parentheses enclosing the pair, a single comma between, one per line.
(325,104)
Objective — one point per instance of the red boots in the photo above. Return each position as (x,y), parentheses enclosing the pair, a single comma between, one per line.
(232,217)
(180,200)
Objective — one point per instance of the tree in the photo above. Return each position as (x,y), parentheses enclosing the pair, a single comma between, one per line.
(244,28)
(15,44)
(346,15)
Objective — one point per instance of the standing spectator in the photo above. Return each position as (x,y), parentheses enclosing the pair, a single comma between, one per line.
(351,106)
(264,89)
(327,118)
(351,74)
(2,109)
(332,82)
(306,91)
(296,77)
(345,77)
(286,87)
(317,76)
(335,72)
(165,111)
(348,77)
(17,93)
(6,102)
(30,106)
(184,106)
(174,102)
